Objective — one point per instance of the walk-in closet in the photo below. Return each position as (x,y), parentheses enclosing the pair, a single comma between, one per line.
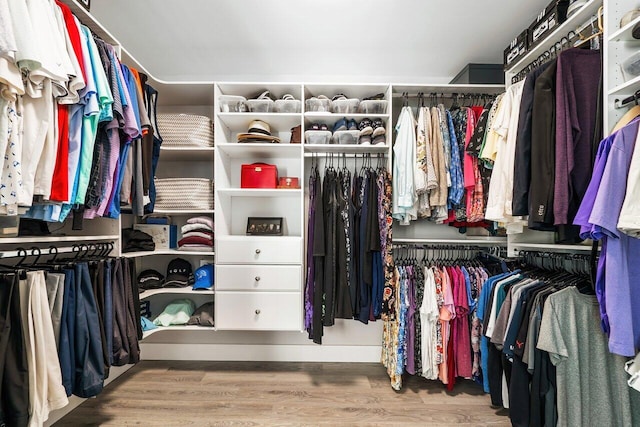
(339,213)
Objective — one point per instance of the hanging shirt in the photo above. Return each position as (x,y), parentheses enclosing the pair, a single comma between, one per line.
(438,196)
(429,315)
(577,85)
(522,162)
(622,269)
(586,396)
(629,220)
(404,193)
(501,187)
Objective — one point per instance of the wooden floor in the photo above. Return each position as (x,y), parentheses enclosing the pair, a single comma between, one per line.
(256,393)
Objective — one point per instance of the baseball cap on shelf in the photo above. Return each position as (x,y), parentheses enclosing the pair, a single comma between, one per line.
(150,279)
(204,277)
(179,273)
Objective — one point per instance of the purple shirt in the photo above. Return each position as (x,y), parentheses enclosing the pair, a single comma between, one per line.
(622,265)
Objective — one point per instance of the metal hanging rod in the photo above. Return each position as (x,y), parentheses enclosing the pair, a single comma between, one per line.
(477,242)
(452,95)
(102,247)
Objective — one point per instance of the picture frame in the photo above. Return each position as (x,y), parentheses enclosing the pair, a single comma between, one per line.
(86,4)
(264,226)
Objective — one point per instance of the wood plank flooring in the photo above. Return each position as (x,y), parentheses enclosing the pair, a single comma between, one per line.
(159,393)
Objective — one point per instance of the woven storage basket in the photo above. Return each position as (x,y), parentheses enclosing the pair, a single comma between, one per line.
(185,130)
(184,194)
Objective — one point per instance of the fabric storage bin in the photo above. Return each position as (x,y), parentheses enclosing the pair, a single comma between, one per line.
(184,194)
(317,137)
(260,105)
(346,137)
(373,106)
(287,106)
(232,103)
(346,106)
(259,175)
(185,130)
(318,105)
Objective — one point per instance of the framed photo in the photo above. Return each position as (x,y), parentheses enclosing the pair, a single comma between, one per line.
(86,4)
(264,226)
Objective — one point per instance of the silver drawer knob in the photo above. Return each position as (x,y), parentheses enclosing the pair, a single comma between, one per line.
(257,278)
(257,311)
(257,251)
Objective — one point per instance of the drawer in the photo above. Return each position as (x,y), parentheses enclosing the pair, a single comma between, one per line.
(258,250)
(268,311)
(258,278)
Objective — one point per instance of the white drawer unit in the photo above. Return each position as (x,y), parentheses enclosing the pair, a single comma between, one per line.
(258,278)
(268,311)
(259,250)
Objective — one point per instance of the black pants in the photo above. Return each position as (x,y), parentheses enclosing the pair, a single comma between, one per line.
(14,374)
(494,371)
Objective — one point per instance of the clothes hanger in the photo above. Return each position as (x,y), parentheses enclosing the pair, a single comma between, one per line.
(631,114)
(598,33)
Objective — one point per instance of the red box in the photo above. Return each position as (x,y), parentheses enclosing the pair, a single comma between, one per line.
(259,175)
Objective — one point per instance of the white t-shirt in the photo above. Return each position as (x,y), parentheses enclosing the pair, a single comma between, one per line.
(429,316)
(629,219)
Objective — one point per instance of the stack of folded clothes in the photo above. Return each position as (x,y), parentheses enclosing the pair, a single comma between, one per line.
(197,234)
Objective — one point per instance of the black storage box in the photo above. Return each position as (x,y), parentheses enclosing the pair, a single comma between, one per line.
(480,74)
(548,19)
(516,49)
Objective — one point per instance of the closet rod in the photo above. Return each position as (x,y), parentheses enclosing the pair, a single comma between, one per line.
(79,249)
(459,95)
(478,242)
(338,155)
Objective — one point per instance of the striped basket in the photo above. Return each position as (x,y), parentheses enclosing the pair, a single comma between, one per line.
(184,194)
(185,130)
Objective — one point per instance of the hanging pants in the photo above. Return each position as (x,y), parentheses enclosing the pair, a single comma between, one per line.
(46,392)
(14,374)
(89,366)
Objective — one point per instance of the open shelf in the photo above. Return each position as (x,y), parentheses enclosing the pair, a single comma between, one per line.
(260,192)
(309,149)
(624,33)
(627,87)
(242,150)
(48,239)
(186,153)
(551,247)
(182,291)
(573,22)
(277,121)
(172,252)
(184,212)
(181,328)
(313,116)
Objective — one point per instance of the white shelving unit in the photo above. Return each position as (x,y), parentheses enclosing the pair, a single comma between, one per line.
(617,47)
(239,308)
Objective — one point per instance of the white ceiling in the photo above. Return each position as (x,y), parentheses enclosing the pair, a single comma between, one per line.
(416,41)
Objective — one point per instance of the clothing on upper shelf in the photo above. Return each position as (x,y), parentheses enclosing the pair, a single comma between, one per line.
(76,133)
(541,138)
(436,174)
